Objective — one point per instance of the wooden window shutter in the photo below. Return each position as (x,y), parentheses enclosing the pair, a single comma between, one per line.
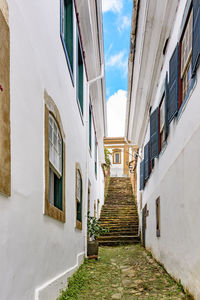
(146,161)
(166,106)
(142,175)
(195,35)
(173,84)
(154,134)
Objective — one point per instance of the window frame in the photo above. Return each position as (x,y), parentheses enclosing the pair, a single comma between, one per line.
(158,217)
(5,135)
(95,157)
(116,151)
(79,47)
(49,209)
(78,222)
(162,104)
(71,68)
(182,73)
(90,128)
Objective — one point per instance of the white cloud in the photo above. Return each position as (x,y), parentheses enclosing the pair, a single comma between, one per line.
(119,61)
(124,23)
(116,110)
(112,5)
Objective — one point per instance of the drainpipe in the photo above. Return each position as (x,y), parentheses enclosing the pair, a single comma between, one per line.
(131,145)
(99,76)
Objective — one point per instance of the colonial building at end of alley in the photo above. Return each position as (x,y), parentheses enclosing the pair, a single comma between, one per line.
(52,124)
(162,118)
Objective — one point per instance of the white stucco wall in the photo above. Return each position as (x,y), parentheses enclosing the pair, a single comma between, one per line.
(38,253)
(117,170)
(175,179)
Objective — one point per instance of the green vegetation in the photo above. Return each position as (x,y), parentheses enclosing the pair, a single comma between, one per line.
(94,228)
(107,158)
(125,272)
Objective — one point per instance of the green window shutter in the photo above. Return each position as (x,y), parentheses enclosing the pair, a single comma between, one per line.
(79,205)
(173,84)
(80,77)
(90,127)
(58,189)
(166,106)
(68,29)
(146,161)
(195,35)
(142,175)
(154,134)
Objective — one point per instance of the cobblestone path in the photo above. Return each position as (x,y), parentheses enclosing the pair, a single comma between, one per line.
(124,272)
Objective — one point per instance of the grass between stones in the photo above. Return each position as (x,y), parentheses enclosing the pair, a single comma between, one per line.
(124,272)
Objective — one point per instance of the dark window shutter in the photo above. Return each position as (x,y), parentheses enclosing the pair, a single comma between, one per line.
(195,35)
(158,217)
(68,29)
(154,134)
(58,189)
(90,127)
(173,84)
(146,161)
(142,175)
(79,206)
(166,106)
(80,77)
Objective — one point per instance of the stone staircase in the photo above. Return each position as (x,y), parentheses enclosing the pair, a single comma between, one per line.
(119,214)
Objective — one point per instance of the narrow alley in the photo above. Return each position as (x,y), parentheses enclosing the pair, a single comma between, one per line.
(123,272)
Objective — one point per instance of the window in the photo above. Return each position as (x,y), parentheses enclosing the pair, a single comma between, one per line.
(95,162)
(80,78)
(79,193)
(158,217)
(5,149)
(162,123)
(67,31)
(117,157)
(54,163)
(90,127)
(186,57)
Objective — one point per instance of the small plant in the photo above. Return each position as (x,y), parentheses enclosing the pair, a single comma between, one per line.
(94,227)
(107,158)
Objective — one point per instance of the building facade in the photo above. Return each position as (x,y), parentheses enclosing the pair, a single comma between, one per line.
(162,118)
(121,154)
(52,124)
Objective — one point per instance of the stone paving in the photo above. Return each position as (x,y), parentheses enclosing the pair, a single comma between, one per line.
(123,272)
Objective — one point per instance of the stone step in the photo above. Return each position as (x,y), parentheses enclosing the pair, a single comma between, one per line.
(120,211)
(119,214)
(119,225)
(130,229)
(117,237)
(119,242)
(112,218)
(122,232)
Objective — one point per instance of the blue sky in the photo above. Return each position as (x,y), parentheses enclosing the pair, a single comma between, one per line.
(116,24)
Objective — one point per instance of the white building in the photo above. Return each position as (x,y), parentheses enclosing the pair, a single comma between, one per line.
(163,120)
(121,154)
(52,124)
